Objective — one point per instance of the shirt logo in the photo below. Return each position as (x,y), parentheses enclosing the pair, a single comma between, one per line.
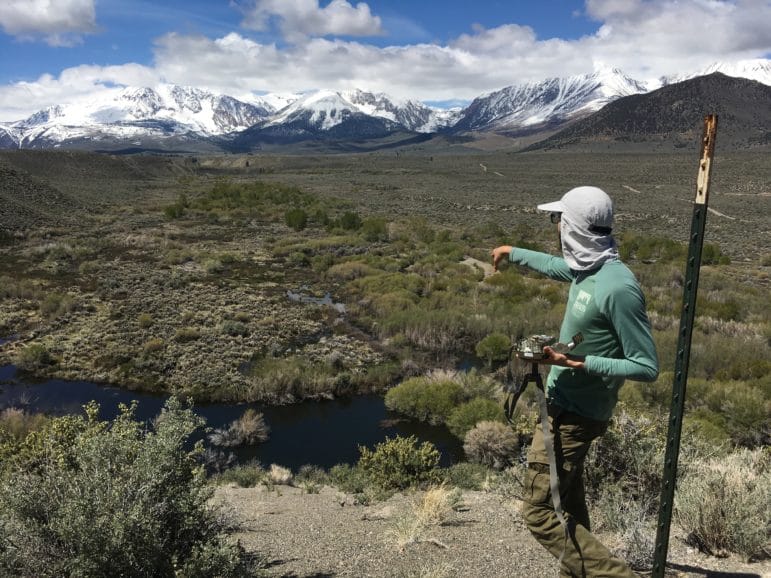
(581,303)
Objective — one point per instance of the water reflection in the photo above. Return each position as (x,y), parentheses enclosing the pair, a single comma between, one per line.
(323,433)
(326,300)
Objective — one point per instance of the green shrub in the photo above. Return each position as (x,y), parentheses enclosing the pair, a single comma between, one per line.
(350,221)
(235,328)
(400,463)
(187,334)
(298,259)
(349,479)
(174,211)
(288,379)
(494,347)
(296,219)
(466,475)
(145,320)
(213,266)
(725,504)
(56,304)
(153,345)
(34,357)
(492,444)
(630,453)
(745,410)
(244,475)
(374,230)
(113,499)
(311,478)
(425,399)
(467,415)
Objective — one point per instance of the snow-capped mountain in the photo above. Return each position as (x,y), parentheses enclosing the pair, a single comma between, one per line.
(326,109)
(535,105)
(756,69)
(184,118)
(131,113)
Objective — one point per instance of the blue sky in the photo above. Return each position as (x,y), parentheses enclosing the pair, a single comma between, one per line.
(55,50)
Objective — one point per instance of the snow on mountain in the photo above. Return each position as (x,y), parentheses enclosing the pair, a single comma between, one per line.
(757,69)
(326,109)
(130,112)
(555,100)
(169,111)
(322,110)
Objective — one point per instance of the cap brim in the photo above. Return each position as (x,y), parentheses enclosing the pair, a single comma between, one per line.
(555,207)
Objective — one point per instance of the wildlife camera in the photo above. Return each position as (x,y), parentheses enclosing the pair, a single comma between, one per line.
(531,348)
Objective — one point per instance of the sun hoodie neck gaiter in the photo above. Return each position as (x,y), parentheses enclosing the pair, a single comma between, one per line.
(582,249)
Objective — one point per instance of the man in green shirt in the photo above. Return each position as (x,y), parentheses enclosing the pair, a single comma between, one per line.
(606,305)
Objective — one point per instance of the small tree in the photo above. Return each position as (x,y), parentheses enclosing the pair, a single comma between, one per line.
(494,347)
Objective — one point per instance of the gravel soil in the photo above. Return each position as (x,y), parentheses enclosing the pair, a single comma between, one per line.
(321,534)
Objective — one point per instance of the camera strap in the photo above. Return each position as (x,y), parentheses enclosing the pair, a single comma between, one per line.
(548,437)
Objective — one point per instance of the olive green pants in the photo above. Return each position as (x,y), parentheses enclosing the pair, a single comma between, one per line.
(584,556)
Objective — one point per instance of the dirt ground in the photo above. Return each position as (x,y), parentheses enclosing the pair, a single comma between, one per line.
(304,535)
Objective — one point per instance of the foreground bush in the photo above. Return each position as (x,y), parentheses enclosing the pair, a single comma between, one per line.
(725,504)
(82,497)
(631,455)
(492,444)
(399,463)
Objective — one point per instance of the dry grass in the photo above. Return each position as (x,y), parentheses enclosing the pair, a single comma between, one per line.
(279,475)
(725,504)
(432,509)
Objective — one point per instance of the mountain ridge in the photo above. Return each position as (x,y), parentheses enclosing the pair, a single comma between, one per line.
(177,119)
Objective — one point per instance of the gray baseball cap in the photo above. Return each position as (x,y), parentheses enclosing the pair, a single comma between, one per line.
(589,205)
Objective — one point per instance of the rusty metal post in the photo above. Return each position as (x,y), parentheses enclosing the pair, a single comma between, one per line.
(684,345)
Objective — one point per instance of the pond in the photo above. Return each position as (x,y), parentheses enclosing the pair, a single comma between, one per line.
(323,433)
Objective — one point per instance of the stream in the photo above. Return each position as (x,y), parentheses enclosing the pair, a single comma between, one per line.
(322,433)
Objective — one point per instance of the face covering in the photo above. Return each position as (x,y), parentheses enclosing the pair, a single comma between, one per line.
(582,249)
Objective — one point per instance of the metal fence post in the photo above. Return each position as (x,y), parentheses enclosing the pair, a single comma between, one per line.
(693,265)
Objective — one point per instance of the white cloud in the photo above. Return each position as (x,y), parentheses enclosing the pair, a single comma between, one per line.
(58,22)
(646,39)
(303,18)
(19,100)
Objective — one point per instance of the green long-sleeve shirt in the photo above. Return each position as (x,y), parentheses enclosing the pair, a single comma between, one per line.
(607,306)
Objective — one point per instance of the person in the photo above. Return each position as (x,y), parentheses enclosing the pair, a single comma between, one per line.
(606,305)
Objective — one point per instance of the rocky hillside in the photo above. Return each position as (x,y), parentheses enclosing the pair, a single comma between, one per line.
(671,117)
(28,202)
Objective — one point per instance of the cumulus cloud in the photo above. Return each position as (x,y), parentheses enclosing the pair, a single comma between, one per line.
(19,100)
(58,22)
(667,37)
(298,19)
(644,38)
